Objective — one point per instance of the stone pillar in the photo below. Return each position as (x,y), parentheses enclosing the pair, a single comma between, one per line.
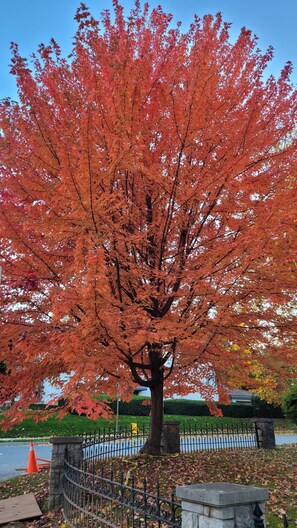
(220,505)
(170,442)
(74,448)
(265,433)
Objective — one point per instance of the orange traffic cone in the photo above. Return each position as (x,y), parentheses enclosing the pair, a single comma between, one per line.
(32,461)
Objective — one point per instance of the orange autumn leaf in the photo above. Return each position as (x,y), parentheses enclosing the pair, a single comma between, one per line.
(147,217)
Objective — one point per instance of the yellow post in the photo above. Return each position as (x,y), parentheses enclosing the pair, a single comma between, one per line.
(134,428)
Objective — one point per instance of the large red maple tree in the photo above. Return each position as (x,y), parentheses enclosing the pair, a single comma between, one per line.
(147,210)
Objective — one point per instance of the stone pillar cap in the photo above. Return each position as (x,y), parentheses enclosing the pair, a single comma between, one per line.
(66,440)
(263,420)
(221,494)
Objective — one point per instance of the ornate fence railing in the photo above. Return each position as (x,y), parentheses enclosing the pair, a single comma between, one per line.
(109,443)
(92,499)
(95,500)
(213,438)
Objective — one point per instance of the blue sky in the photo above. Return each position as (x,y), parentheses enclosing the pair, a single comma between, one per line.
(30,22)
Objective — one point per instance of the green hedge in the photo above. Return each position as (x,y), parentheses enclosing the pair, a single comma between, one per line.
(41,406)
(135,407)
(258,408)
(192,408)
(262,409)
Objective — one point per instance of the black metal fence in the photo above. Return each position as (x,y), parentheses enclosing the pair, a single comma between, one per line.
(213,438)
(109,443)
(93,501)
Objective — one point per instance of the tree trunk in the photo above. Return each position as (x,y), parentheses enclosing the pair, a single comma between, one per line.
(153,444)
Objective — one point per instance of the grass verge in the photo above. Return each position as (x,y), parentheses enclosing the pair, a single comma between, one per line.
(77,425)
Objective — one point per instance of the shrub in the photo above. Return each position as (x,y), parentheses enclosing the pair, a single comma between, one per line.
(135,407)
(132,408)
(182,408)
(200,408)
(289,404)
(237,410)
(186,408)
(262,409)
(41,406)
(259,408)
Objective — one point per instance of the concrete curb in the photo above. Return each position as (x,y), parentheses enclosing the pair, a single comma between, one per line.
(28,439)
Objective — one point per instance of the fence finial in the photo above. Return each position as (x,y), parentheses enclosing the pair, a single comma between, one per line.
(258,516)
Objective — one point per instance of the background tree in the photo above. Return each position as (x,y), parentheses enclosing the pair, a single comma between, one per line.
(147,211)
(290,402)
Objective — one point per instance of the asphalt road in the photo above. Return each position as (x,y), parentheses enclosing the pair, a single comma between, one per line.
(14,455)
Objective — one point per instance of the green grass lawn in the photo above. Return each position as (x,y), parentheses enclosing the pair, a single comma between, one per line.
(76,425)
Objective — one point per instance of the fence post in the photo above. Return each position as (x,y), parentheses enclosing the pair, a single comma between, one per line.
(74,449)
(170,437)
(221,505)
(264,432)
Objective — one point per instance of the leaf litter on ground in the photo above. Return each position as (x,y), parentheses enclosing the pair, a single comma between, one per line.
(274,469)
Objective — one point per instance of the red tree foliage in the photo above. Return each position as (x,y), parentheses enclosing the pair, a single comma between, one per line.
(147,211)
